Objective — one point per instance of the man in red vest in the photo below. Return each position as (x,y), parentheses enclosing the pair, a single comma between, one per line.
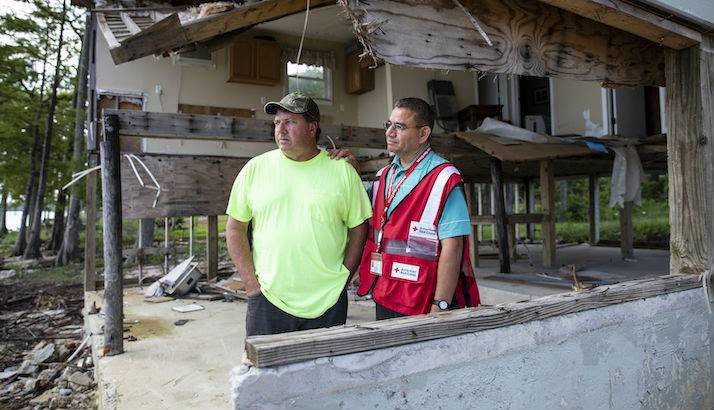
(416,259)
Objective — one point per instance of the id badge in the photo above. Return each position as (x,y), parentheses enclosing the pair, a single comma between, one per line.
(375,263)
(422,240)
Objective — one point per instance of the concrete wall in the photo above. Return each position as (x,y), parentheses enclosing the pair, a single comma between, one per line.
(649,354)
(569,98)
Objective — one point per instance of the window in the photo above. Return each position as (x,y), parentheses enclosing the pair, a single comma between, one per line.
(313,81)
(202,56)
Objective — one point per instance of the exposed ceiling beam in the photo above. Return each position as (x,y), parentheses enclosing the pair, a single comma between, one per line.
(529,38)
(169,34)
(624,16)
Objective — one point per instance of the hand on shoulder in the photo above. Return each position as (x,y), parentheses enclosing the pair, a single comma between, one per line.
(346,155)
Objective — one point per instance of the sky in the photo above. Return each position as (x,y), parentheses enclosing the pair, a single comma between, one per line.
(20,8)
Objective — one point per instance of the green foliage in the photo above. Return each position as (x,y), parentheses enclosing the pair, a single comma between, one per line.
(27,49)
(650,217)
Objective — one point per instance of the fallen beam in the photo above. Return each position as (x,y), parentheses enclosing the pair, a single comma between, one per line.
(169,34)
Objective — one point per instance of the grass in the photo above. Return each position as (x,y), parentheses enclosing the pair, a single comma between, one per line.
(652,229)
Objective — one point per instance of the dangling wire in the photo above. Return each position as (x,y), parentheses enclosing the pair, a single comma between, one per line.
(302,38)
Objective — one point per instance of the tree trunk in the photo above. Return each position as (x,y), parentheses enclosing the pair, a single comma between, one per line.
(58,227)
(27,208)
(33,243)
(3,213)
(69,250)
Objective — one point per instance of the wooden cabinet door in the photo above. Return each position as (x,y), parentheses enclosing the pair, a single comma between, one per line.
(242,61)
(352,73)
(358,79)
(268,67)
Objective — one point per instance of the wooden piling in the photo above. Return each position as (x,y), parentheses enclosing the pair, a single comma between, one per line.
(499,210)
(547,197)
(212,247)
(112,231)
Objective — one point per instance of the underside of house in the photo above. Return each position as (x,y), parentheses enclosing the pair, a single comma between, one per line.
(530,96)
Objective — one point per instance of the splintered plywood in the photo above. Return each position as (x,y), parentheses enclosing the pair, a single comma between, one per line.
(512,150)
(189,185)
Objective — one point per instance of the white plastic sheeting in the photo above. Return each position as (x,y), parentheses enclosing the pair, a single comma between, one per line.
(627,171)
(505,130)
(627,176)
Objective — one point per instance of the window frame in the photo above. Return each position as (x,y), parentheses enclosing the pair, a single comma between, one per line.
(327,79)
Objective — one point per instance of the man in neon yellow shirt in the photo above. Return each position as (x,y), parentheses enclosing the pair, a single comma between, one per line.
(308,215)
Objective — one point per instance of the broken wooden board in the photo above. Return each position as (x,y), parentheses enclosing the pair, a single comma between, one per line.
(273,350)
(169,34)
(522,150)
(211,110)
(189,185)
(529,38)
(146,124)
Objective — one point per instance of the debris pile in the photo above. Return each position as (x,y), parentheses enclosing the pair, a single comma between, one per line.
(43,362)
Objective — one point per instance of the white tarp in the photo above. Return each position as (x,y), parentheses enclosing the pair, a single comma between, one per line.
(627,176)
(627,171)
(505,130)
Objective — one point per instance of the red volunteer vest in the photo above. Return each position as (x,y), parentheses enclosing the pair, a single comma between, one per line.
(408,279)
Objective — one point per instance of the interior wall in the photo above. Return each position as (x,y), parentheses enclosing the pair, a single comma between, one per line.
(569,99)
(140,76)
(372,107)
(411,82)
(203,85)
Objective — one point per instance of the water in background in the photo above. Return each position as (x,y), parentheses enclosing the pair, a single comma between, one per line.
(13,219)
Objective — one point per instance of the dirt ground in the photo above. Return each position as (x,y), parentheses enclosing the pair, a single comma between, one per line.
(41,328)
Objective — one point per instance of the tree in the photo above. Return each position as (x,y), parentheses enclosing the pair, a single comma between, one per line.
(18,52)
(3,212)
(69,249)
(33,243)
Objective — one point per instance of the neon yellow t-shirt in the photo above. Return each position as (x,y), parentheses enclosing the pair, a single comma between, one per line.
(301,212)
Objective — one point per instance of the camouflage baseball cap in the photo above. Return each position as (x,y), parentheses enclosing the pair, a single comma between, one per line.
(296,103)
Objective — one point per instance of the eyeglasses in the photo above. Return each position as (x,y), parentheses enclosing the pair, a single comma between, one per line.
(399,126)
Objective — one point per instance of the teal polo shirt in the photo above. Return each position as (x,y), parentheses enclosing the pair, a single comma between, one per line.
(455,219)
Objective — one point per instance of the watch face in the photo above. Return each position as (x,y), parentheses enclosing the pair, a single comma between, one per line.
(443,305)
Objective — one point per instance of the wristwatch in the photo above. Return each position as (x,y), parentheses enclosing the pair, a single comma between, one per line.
(441,304)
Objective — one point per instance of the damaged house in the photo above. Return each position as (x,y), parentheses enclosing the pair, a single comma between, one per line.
(527,93)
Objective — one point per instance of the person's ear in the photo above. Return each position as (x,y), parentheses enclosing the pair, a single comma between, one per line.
(424,133)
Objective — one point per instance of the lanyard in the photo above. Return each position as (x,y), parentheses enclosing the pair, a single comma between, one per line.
(392,190)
